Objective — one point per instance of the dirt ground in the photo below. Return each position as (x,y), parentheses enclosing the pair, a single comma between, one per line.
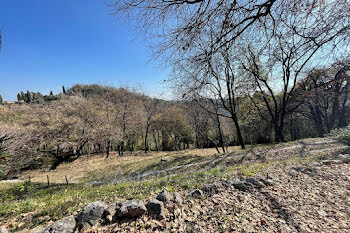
(316,200)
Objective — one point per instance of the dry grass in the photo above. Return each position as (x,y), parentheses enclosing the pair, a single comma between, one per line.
(97,166)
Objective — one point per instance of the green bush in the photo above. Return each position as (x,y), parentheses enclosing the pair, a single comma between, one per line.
(341,135)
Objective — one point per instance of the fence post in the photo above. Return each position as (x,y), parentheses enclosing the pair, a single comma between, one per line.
(48,180)
(65,176)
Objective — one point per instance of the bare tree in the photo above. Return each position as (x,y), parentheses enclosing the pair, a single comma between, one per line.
(151,108)
(178,25)
(326,93)
(279,49)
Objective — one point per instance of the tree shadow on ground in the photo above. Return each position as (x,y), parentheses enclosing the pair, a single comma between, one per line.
(168,164)
(283,212)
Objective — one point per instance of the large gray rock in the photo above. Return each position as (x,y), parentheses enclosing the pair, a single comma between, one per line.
(92,215)
(130,209)
(345,158)
(177,198)
(156,209)
(3,230)
(164,196)
(65,225)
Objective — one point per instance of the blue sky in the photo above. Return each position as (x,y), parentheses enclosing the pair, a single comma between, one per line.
(50,43)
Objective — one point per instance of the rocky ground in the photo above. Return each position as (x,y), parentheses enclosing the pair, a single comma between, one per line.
(286,197)
(311,199)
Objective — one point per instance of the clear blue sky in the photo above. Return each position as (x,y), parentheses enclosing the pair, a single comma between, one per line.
(50,43)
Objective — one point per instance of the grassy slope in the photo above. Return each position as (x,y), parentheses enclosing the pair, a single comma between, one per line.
(32,204)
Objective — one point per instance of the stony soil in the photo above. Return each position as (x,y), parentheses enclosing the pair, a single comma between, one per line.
(315,200)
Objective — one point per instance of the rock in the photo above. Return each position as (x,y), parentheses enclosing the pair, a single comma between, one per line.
(211,188)
(3,230)
(345,158)
(65,225)
(177,198)
(267,182)
(93,214)
(298,169)
(255,182)
(164,196)
(242,186)
(197,193)
(109,213)
(329,162)
(130,209)
(156,208)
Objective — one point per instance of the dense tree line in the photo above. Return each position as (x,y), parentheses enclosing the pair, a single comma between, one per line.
(91,119)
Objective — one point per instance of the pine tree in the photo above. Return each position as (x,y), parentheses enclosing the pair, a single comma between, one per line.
(63,90)
(1,101)
(28,97)
(23,96)
(19,97)
(51,93)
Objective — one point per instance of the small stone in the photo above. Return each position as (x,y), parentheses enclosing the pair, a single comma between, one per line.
(242,186)
(267,182)
(65,225)
(130,209)
(92,215)
(164,196)
(330,162)
(197,193)
(298,169)
(156,208)
(211,188)
(109,213)
(177,198)
(345,158)
(255,182)
(3,230)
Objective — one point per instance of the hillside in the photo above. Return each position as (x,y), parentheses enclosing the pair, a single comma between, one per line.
(35,205)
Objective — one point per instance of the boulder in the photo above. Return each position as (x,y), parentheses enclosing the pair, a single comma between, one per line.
(65,225)
(130,209)
(156,209)
(197,193)
(345,158)
(164,196)
(177,198)
(93,214)
(255,182)
(3,230)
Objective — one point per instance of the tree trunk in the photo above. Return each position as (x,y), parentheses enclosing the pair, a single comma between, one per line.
(146,138)
(108,148)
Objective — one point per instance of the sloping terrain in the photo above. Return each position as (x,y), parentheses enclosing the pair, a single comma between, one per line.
(34,205)
(314,200)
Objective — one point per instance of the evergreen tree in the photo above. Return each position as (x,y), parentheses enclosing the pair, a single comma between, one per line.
(51,93)
(19,97)
(1,101)
(23,96)
(63,90)
(28,97)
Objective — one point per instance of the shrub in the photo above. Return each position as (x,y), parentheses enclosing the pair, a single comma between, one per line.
(342,135)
